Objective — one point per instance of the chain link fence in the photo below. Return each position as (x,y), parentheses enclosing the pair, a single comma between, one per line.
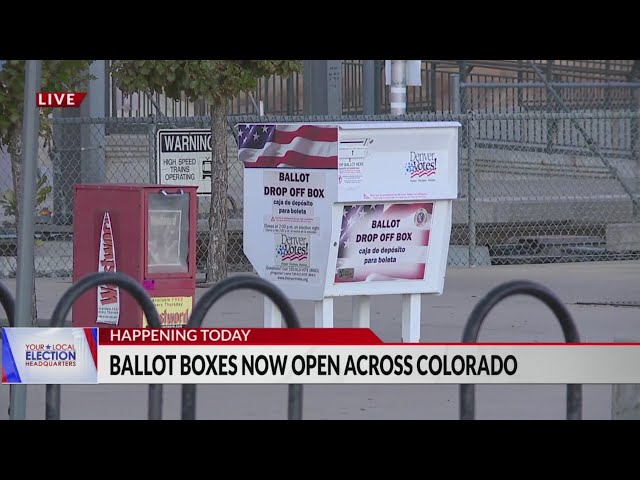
(551,171)
(106,150)
(539,181)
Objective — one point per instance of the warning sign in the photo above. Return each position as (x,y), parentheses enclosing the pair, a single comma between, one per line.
(183,157)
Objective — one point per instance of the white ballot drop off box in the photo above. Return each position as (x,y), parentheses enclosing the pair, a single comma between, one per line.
(350,209)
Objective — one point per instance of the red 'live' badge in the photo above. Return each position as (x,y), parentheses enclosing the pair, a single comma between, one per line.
(60,99)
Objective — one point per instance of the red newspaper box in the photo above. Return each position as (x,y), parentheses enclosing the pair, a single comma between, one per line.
(145,231)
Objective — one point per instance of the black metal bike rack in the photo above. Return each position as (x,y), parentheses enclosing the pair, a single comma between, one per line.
(250,282)
(52,408)
(480,312)
(8,303)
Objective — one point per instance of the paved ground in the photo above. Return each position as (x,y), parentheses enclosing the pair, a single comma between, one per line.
(516,319)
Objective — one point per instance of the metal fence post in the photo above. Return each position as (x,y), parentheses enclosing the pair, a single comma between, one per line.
(151,135)
(369,87)
(60,312)
(398,87)
(211,296)
(378,83)
(634,126)
(480,312)
(472,129)
(454,89)
(26,201)
(291,99)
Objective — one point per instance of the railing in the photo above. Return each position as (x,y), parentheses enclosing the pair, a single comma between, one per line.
(295,394)
(285,96)
(215,293)
(62,308)
(482,310)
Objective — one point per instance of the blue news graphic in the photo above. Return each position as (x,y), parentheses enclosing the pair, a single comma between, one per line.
(49,355)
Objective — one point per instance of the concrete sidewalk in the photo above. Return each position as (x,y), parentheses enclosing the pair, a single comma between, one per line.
(516,319)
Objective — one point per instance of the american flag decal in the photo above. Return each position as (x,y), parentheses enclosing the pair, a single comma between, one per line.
(292,146)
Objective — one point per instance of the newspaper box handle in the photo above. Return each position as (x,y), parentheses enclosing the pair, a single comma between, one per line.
(179,192)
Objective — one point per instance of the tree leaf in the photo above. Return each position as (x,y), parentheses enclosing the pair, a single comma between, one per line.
(215,81)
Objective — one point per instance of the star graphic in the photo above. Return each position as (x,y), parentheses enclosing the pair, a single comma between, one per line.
(346,243)
(265,129)
(350,222)
(48,347)
(344,213)
(361,213)
(256,136)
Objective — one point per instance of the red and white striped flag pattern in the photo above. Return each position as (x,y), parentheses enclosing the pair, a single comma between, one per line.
(292,146)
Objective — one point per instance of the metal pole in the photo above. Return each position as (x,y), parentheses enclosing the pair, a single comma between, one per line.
(291,99)
(470,132)
(153,154)
(472,129)
(307,90)
(369,87)
(411,303)
(455,94)
(398,90)
(378,86)
(294,404)
(92,136)
(24,276)
(155,402)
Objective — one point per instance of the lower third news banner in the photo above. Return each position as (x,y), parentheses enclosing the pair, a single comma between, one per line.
(305,356)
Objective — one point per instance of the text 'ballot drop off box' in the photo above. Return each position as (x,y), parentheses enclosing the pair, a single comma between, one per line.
(147,232)
(351,209)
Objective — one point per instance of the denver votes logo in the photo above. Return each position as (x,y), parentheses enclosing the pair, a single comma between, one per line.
(421,166)
(50,355)
(292,249)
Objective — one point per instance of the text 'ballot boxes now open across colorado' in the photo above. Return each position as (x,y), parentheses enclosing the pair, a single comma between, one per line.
(350,209)
(145,231)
